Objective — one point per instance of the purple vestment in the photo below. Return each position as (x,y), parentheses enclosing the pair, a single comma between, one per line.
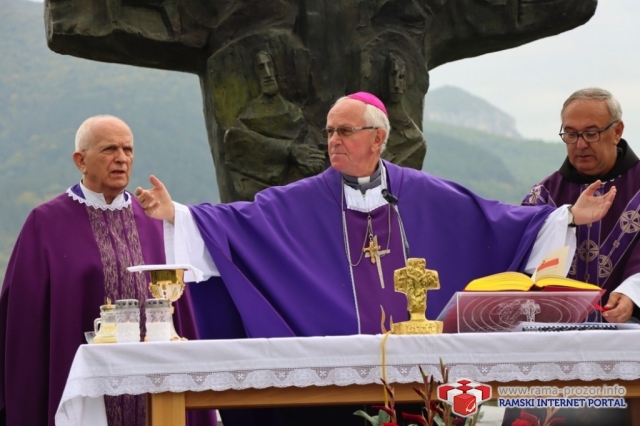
(607,251)
(283,262)
(68,258)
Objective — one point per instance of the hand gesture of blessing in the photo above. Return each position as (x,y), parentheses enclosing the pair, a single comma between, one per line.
(156,201)
(590,208)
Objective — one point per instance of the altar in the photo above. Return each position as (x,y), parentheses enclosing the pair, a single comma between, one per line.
(335,370)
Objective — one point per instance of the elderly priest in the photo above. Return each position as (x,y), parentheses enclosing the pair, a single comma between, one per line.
(316,257)
(73,252)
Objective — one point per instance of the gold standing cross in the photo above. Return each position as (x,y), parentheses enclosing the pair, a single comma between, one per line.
(415,280)
(374,252)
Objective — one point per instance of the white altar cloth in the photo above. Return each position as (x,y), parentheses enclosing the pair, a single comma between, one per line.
(152,367)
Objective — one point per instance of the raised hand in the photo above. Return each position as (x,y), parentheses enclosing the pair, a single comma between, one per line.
(156,201)
(590,208)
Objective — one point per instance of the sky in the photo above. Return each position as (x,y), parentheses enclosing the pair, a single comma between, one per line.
(531,82)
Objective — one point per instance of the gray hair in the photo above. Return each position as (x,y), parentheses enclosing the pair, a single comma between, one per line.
(597,94)
(84,136)
(374,117)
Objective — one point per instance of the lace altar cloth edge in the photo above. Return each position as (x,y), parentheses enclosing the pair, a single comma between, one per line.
(137,368)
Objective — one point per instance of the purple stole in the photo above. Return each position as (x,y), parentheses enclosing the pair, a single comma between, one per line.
(597,264)
(118,243)
(367,289)
(597,255)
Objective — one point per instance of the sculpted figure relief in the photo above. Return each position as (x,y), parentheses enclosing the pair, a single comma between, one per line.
(321,50)
(270,142)
(406,145)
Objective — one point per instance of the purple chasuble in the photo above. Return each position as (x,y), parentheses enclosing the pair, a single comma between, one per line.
(607,251)
(283,264)
(68,258)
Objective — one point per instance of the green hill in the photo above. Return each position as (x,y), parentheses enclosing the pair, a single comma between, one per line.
(496,167)
(45,96)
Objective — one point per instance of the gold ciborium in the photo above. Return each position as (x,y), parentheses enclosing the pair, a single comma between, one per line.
(167,283)
(414,280)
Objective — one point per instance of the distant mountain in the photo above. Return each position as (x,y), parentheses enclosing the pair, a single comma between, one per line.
(496,167)
(476,144)
(45,96)
(452,105)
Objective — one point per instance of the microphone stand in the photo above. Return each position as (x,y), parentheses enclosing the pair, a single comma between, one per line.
(393,200)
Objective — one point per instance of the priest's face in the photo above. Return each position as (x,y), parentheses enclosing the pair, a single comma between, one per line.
(354,153)
(106,162)
(589,115)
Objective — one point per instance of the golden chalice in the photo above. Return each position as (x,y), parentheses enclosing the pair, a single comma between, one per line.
(167,283)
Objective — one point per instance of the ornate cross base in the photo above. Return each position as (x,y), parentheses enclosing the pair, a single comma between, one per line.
(417,327)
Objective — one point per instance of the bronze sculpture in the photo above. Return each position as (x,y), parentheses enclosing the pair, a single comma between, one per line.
(406,145)
(270,142)
(320,49)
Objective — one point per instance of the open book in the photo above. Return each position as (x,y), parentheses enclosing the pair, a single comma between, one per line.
(549,276)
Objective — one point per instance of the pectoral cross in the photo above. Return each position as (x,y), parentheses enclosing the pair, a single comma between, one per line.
(374,252)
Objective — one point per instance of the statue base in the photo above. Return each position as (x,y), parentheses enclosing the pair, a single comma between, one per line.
(417,327)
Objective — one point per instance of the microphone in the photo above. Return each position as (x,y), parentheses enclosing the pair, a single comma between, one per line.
(393,201)
(389,197)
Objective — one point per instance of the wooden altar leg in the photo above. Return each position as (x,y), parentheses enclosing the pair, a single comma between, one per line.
(167,409)
(634,411)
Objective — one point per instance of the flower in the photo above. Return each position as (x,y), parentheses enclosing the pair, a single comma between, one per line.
(434,412)
(520,422)
(526,419)
(416,418)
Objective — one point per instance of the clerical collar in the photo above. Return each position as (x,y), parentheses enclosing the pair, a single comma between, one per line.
(364,183)
(625,159)
(83,195)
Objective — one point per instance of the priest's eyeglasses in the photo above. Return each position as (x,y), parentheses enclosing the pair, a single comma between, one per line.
(344,131)
(589,136)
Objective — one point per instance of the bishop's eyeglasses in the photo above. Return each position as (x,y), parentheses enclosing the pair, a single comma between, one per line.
(590,136)
(343,131)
